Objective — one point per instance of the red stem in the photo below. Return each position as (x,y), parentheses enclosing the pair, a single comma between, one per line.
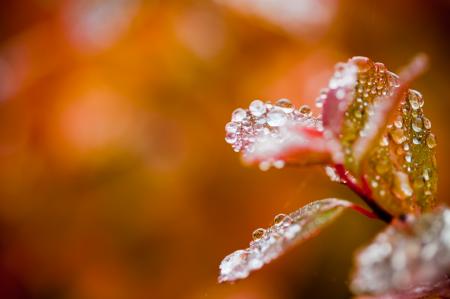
(364,192)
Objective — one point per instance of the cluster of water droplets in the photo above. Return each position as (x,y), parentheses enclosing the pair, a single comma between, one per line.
(264,120)
(402,258)
(412,142)
(270,243)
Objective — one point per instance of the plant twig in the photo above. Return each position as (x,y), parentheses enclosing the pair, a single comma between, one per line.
(364,193)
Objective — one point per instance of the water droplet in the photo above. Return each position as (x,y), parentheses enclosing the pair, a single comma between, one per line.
(398,122)
(257,108)
(431,141)
(402,187)
(278,219)
(340,94)
(408,157)
(264,165)
(305,110)
(415,99)
(417,124)
(258,233)
(406,147)
(276,118)
(426,175)
(416,141)
(426,123)
(398,136)
(238,115)
(260,120)
(384,141)
(230,138)
(278,164)
(231,127)
(285,105)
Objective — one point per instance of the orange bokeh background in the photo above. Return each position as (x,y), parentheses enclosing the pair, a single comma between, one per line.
(115,180)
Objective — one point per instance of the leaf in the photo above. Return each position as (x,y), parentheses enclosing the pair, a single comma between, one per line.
(396,157)
(274,134)
(287,230)
(407,260)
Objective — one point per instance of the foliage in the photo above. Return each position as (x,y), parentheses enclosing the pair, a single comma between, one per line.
(372,136)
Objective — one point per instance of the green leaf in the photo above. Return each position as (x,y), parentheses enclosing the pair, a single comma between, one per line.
(384,134)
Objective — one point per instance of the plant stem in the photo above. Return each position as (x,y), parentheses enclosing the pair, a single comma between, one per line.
(364,193)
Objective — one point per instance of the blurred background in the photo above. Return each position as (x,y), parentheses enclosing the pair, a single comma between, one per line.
(115,180)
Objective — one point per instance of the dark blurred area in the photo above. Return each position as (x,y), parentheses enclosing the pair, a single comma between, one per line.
(115,180)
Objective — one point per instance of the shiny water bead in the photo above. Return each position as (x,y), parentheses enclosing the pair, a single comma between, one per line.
(406,147)
(357,113)
(431,141)
(415,99)
(408,158)
(426,123)
(417,124)
(426,175)
(238,115)
(416,141)
(402,188)
(257,108)
(398,136)
(264,165)
(398,122)
(305,110)
(230,138)
(384,141)
(285,105)
(276,118)
(231,127)
(279,164)
(258,233)
(278,219)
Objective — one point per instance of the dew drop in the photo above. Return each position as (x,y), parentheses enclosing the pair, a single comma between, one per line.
(276,118)
(264,165)
(402,187)
(278,219)
(416,141)
(384,141)
(238,115)
(257,108)
(426,123)
(417,124)
(319,102)
(431,141)
(231,127)
(426,175)
(398,136)
(398,122)
(408,158)
(415,99)
(340,94)
(278,164)
(258,233)
(230,138)
(406,147)
(285,105)
(305,110)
